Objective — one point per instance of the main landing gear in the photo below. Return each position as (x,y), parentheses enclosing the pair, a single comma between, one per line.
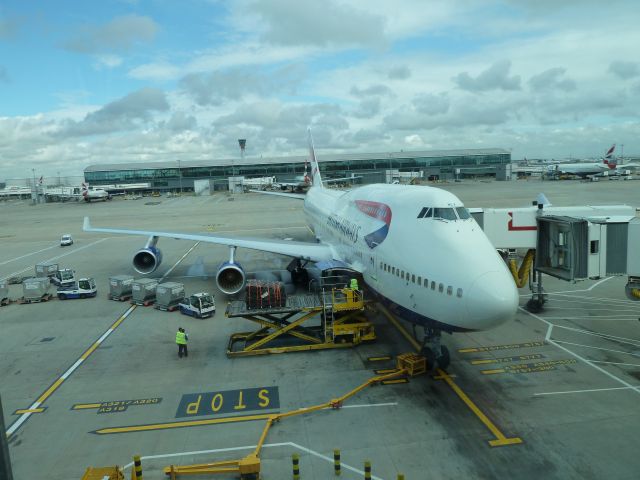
(437,355)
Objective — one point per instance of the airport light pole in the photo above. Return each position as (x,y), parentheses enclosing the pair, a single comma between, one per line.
(34,191)
(180,176)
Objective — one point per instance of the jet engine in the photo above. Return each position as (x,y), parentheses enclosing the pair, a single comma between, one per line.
(230,278)
(147,259)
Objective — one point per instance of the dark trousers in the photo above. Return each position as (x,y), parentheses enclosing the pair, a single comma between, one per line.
(182,348)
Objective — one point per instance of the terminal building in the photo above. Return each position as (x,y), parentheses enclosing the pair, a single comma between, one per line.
(366,167)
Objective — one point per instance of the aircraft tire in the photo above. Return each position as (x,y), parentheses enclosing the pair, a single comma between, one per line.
(534,306)
(444,359)
(430,356)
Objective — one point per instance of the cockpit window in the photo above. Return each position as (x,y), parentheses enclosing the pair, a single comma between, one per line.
(463,213)
(444,213)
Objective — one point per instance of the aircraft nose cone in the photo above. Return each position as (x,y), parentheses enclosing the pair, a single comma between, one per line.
(492,300)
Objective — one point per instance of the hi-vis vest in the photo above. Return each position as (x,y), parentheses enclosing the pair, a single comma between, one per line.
(181,338)
(354,284)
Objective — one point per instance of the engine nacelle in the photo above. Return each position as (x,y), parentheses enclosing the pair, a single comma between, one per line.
(632,289)
(147,260)
(230,278)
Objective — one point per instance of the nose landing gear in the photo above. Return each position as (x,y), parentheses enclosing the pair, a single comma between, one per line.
(437,355)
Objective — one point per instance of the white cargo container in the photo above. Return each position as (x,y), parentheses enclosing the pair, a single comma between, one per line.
(143,291)
(120,287)
(169,295)
(46,269)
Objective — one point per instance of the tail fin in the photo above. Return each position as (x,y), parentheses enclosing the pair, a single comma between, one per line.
(85,190)
(316,179)
(609,153)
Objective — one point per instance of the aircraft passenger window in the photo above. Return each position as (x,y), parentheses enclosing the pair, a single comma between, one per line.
(402,274)
(398,272)
(433,285)
(419,280)
(440,287)
(459,293)
(381,265)
(426,283)
(413,278)
(444,213)
(449,290)
(463,213)
(393,270)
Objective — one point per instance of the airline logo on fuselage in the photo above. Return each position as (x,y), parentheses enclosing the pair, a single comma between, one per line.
(345,227)
(381,212)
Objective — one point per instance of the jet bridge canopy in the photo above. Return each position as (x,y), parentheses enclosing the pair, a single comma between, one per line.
(562,247)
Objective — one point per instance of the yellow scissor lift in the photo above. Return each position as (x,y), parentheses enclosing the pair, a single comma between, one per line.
(289,329)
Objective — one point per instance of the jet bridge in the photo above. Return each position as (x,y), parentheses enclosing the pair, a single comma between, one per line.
(569,243)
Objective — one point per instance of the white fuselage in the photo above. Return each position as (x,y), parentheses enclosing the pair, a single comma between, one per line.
(580,168)
(442,273)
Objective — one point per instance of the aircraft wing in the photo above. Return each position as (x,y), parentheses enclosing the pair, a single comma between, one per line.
(315,252)
(297,196)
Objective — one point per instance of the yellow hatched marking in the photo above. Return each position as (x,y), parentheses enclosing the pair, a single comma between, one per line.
(379,359)
(85,406)
(29,410)
(384,371)
(392,382)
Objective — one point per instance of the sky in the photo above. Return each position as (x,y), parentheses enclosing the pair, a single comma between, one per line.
(86,83)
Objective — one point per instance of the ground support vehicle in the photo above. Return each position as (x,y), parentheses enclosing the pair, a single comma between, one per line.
(83,288)
(64,277)
(199,305)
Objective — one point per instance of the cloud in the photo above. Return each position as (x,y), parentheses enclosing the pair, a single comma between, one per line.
(551,80)
(4,75)
(329,23)
(120,34)
(120,114)
(432,104)
(496,77)
(8,28)
(367,108)
(107,61)
(180,121)
(155,71)
(377,90)
(235,84)
(399,73)
(624,70)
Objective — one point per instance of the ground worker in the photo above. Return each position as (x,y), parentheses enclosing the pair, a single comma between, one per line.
(354,284)
(181,340)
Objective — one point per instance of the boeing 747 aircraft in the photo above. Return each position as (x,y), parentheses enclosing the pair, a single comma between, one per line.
(416,247)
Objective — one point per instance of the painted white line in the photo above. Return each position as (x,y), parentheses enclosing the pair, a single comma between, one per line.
(597,284)
(589,309)
(104,335)
(595,300)
(579,357)
(252,447)
(617,363)
(179,260)
(57,257)
(23,417)
(613,338)
(597,348)
(582,391)
(28,255)
(601,318)
(330,460)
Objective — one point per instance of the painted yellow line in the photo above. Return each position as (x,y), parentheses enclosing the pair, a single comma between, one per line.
(379,359)
(397,380)
(85,406)
(500,440)
(384,371)
(493,348)
(29,410)
(493,372)
(187,423)
(482,362)
(50,390)
(414,343)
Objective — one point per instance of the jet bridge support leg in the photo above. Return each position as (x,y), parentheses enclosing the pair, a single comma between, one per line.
(538,297)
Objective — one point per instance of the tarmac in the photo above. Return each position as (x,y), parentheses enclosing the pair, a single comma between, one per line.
(93,382)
